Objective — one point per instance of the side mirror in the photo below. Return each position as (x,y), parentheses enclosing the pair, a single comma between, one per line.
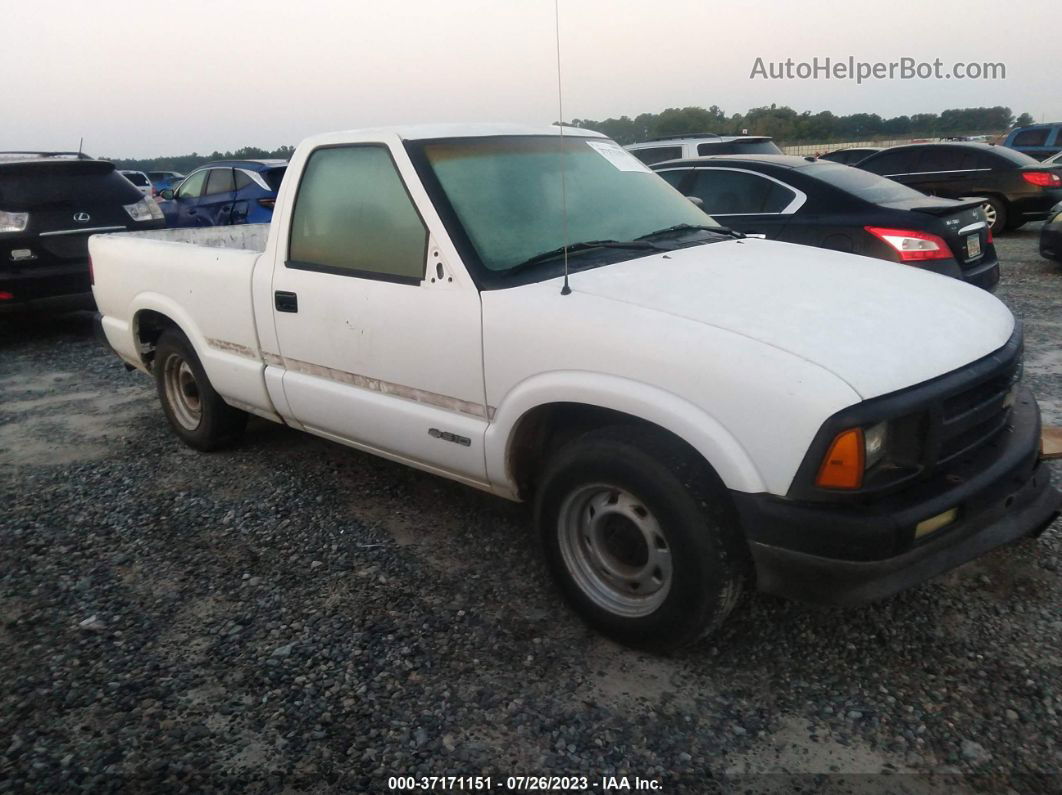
(696,201)
(167,194)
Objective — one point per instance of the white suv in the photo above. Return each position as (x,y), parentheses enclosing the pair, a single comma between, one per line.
(681,146)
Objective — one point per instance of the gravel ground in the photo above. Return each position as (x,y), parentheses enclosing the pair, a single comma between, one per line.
(294,615)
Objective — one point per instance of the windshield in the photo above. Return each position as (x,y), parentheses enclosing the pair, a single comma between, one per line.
(506,194)
(863,184)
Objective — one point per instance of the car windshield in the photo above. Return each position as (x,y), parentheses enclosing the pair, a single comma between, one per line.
(863,184)
(507,194)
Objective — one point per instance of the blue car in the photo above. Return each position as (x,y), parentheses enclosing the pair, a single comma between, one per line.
(226,192)
(1037,140)
(164,180)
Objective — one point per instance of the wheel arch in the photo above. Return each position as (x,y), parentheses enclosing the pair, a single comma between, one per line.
(546,410)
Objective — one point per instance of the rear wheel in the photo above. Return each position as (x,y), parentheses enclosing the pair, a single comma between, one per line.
(996,215)
(641,537)
(197,413)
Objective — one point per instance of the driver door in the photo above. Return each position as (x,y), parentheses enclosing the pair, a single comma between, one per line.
(185,202)
(379,336)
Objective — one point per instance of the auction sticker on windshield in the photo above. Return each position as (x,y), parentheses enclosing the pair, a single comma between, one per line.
(618,156)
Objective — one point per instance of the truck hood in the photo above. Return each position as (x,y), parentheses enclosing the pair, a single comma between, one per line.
(878,326)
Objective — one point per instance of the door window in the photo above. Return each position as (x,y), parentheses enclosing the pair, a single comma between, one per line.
(945,159)
(353,216)
(220,181)
(193,186)
(673,178)
(657,154)
(1031,137)
(727,192)
(890,163)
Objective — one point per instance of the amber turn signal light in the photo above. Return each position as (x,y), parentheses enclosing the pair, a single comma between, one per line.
(842,468)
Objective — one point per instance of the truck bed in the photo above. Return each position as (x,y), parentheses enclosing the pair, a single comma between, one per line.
(201,280)
(247,237)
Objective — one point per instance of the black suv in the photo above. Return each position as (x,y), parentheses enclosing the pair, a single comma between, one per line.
(50,203)
(1016,187)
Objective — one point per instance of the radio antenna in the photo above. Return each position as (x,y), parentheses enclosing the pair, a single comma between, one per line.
(565,290)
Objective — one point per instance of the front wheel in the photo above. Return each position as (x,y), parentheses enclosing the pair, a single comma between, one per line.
(197,414)
(641,537)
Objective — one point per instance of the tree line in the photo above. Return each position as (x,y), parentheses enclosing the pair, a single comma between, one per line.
(778,121)
(186,163)
(791,127)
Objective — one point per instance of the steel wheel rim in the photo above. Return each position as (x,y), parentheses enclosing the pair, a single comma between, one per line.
(182,392)
(615,550)
(990,214)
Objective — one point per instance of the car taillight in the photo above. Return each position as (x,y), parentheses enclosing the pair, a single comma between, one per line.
(268,203)
(1042,179)
(911,244)
(5,296)
(990,238)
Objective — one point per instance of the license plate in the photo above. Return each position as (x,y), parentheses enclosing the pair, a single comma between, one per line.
(973,247)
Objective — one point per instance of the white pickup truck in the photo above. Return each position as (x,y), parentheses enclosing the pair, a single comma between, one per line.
(699,413)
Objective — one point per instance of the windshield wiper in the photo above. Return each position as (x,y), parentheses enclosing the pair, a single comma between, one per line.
(680,228)
(586,245)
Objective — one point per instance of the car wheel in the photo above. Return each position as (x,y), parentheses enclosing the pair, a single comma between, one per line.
(996,215)
(641,537)
(197,413)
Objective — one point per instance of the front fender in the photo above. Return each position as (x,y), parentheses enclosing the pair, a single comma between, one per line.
(651,404)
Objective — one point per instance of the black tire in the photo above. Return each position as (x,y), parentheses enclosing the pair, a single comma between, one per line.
(1000,208)
(197,414)
(707,558)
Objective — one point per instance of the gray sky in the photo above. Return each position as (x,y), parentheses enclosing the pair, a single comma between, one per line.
(156,77)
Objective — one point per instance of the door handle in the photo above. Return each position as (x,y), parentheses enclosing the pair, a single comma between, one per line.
(285,302)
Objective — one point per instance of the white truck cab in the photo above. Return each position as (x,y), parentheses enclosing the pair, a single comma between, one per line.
(690,411)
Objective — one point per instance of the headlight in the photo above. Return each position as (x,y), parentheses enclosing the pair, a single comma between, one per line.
(13,222)
(874,439)
(147,209)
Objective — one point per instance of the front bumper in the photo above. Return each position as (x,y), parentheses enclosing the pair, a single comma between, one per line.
(852,554)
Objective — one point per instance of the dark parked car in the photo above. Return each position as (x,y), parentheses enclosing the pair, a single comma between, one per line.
(850,156)
(226,192)
(1016,187)
(673,147)
(1051,235)
(818,203)
(1039,141)
(50,203)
